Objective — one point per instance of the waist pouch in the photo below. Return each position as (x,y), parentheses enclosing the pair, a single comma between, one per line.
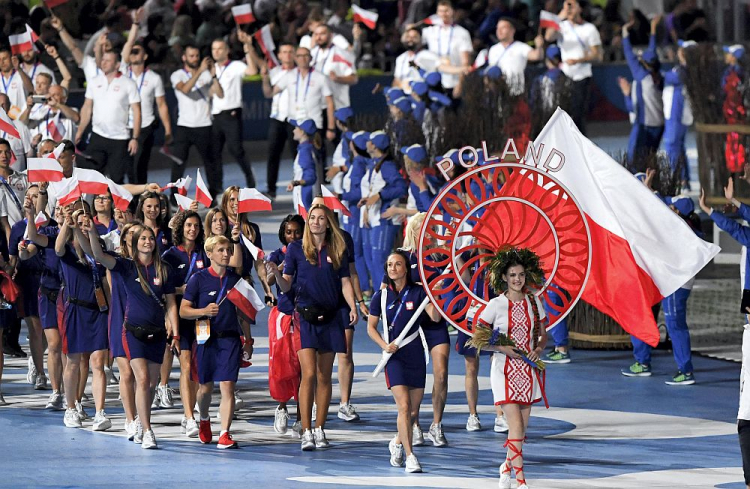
(147,334)
(51,294)
(88,305)
(317,315)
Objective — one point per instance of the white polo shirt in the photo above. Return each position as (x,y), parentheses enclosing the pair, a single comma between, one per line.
(338,40)
(577,40)
(333,60)
(194,109)
(406,73)
(37,68)
(51,124)
(512,61)
(448,41)
(280,101)
(149,87)
(19,147)
(12,86)
(16,183)
(306,95)
(89,68)
(230,77)
(112,101)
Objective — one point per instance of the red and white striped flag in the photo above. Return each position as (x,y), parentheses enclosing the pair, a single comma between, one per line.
(369,19)
(202,195)
(40,219)
(243,296)
(299,206)
(257,253)
(265,41)
(481,59)
(433,19)
(68,192)
(182,185)
(55,128)
(332,202)
(32,34)
(548,20)
(183,202)
(6,125)
(57,152)
(92,182)
(250,200)
(44,170)
(20,43)
(243,14)
(121,198)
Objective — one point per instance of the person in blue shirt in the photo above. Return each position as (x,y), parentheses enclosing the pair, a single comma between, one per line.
(186,258)
(149,212)
(544,89)
(305,163)
(342,153)
(406,369)
(317,269)
(352,194)
(219,349)
(280,317)
(678,115)
(150,317)
(419,97)
(643,98)
(83,319)
(103,214)
(382,187)
(397,127)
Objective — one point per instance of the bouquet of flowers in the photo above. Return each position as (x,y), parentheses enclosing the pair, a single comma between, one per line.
(484,337)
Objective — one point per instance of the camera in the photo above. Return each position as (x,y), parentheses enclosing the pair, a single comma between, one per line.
(39,99)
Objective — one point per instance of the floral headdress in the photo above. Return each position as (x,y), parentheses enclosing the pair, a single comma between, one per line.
(507,257)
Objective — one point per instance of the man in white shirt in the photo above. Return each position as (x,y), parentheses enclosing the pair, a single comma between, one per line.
(450,42)
(580,44)
(51,120)
(13,187)
(227,112)
(410,61)
(33,67)
(151,92)
(108,98)
(335,63)
(511,56)
(279,129)
(14,82)
(20,148)
(194,86)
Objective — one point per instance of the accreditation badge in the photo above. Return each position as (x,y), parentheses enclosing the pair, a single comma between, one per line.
(202,330)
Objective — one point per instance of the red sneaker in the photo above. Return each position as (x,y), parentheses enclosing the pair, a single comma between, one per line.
(226,441)
(204,431)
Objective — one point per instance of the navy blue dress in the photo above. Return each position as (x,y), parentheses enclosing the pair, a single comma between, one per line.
(49,283)
(184,267)
(28,272)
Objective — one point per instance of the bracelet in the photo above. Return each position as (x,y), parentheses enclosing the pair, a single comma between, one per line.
(176,337)
(234,241)
(360,301)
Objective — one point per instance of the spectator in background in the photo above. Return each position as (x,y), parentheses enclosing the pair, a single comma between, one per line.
(156,42)
(53,119)
(20,148)
(687,22)
(16,84)
(511,55)
(211,28)
(450,42)
(32,66)
(408,63)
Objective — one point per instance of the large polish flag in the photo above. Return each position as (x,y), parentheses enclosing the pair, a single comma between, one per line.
(243,296)
(243,14)
(370,19)
(250,200)
(641,250)
(44,170)
(92,182)
(202,195)
(20,43)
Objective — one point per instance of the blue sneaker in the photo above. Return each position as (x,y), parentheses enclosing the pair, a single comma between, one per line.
(556,357)
(681,379)
(637,370)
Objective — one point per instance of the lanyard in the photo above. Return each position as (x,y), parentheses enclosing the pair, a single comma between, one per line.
(296,87)
(95,272)
(573,29)
(328,55)
(197,89)
(223,287)
(192,264)
(504,51)
(33,72)
(143,77)
(225,69)
(400,300)
(440,42)
(12,193)
(6,85)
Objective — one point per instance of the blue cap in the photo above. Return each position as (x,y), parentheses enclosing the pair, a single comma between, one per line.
(553,51)
(360,139)
(640,176)
(415,152)
(452,155)
(380,140)
(347,135)
(649,56)
(682,204)
(344,114)
(492,72)
(393,93)
(308,126)
(420,88)
(686,44)
(433,79)
(736,50)
(403,104)
(439,98)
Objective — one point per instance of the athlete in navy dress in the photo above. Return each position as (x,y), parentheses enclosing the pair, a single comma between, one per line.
(150,318)
(406,369)
(218,347)
(103,214)
(186,258)
(83,320)
(317,269)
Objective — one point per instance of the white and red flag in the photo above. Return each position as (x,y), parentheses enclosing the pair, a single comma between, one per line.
(40,219)
(121,197)
(68,192)
(369,19)
(55,154)
(183,202)
(257,253)
(641,250)
(299,206)
(243,14)
(20,43)
(6,125)
(332,202)
(54,3)
(265,41)
(243,296)
(250,200)
(548,20)
(92,182)
(202,195)
(44,170)
(481,59)
(182,185)
(32,34)
(433,19)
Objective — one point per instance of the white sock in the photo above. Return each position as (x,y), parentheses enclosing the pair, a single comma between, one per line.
(222,432)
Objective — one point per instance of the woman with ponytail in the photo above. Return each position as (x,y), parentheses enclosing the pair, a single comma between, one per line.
(305,164)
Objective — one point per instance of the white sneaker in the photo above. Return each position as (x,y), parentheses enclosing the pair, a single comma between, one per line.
(522,486)
(473,424)
(320,438)
(436,435)
(149,440)
(314,413)
(504,482)
(397,453)
(41,382)
(238,402)
(130,429)
(412,464)
(157,399)
(281,421)
(71,419)
(55,401)
(296,431)
(308,441)
(31,374)
(348,413)
(138,428)
(191,428)
(501,426)
(417,437)
(166,398)
(101,422)
(81,412)
(183,424)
